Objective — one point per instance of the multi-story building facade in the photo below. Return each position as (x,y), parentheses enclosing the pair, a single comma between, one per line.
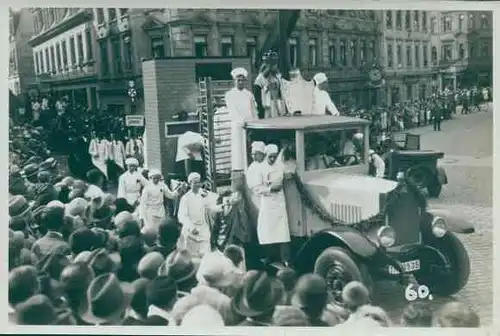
(21,72)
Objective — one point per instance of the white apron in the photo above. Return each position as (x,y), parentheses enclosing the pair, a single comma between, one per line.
(99,154)
(130,186)
(253,180)
(117,153)
(152,208)
(193,214)
(272,222)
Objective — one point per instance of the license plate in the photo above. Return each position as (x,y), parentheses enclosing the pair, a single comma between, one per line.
(408,266)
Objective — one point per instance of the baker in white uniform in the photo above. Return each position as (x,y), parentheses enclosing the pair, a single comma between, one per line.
(195,207)
(131,183)
(242,108)
(151,207)
(322,103)
(377,162)
(98,153)
(272,223)
(254,170)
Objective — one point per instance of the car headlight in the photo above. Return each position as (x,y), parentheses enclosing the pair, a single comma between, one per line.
(439,227)
(386,236)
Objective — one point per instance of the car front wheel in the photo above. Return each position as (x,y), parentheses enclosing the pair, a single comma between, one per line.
(445,279)
(338,268)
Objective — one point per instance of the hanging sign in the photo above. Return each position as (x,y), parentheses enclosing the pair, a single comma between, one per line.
(134,120)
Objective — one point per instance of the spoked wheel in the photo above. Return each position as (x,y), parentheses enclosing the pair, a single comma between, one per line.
(338,268)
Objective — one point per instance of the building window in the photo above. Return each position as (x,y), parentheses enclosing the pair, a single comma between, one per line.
(484,22)
(332,53)
(461,51)
(58,56)
(424,21)
(313,52)
(157,47)
(37,63)
(399,55)
(472,50)
(200,46)
(127,49)
(53,59)
(408,20)
(409,92)
(461,20)
(88,40)
(372,51)
(123,12)
(417,56)
(72,51)
(117,55)
(79,48)
(471,21)
(434,55)
(64,54)
(399,18)
(47,60)
(446,24)
(294,52)
(251,48)
(103,49)
(423,90)
(42,63)
(354,52)
(388,19)
(485,49)
(390,56)
(433,25)
(371,15)
(416,20)
(408,56)
(112,14)
(362,52)
(227,46)
(447,52)
(426,57)
(100,15)
(343,52)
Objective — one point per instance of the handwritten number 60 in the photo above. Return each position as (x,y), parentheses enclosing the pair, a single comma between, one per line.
(411,294)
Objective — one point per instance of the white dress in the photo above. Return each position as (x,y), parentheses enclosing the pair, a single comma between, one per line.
(151,207)
(272,222)
(130,186)
(242,108)
(193,214)
(99,154)
(322,103)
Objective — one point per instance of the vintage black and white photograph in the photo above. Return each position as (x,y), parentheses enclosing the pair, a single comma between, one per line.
(250,167)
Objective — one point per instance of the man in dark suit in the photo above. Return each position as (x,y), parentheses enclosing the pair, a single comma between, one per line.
(52,220)
(437,115)
(161,295)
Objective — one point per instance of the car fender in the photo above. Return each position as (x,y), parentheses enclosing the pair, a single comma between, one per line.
(441,175)
(454,222)
(346,237)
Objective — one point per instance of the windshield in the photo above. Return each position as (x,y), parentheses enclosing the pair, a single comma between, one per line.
(330,149)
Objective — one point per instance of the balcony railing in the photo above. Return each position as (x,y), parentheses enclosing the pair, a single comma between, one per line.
(80,71)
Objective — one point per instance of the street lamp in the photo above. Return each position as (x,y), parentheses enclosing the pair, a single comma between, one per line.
(132,94)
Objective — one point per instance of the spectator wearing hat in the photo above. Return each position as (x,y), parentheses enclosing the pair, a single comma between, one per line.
(77,209)
(235,254)
(20,212)
(107,301)
(455,315)
(101,217)
(44,191)
(180,266)
(121,205)
(257,299)
(138,312)
(168,235)
(373,313)
(75,280)
(149,236)
(17,184)
(203,315)
(52,219)
(78,190)
(53,264)
(126,225)
(152,206)
(288,277)
(417,314)
(37,310)
(64,188)
(81,240)
(23,283)
(149,265)
(131,183)
(218,272)
(161,294)
(96,181)
(355,295)
(131,252)
(101,262)
(311,296)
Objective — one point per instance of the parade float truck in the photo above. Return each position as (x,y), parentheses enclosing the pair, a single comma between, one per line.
(347,225)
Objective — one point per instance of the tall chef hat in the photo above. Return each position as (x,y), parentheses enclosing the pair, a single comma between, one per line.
(320,78)
(154,172)
(239,72)
(194,177)
(258,146)
(272,149)
(131,161)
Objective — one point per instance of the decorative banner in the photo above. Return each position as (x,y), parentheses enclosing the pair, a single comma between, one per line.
(134,120)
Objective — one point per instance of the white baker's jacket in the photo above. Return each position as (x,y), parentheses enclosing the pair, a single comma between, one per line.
(242,108)
(99,154)
(130,185)
(151,204)
(193,211)
(117,153)
(130,147)
(253,180)
(322,103)
(379,164)
(187,139)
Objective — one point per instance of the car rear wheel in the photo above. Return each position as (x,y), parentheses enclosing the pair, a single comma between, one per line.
(440,279)
(338,268)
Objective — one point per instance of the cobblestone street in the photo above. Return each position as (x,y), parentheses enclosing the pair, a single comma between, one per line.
(468,147)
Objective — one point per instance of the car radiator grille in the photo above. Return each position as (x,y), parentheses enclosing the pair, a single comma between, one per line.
(350,214)
(404,218)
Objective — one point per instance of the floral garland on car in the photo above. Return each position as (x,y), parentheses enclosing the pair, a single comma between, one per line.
(365,224)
